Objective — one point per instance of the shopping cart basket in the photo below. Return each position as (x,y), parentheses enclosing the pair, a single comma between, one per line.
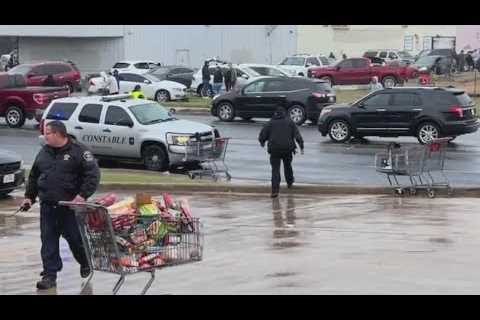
(128,244)
(417,163)
(210,155)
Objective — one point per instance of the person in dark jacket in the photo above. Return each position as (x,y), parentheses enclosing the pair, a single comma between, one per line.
(205,80)
(469,61)
(49,81)
(64,170)
(117,77)
(217,80)
(461,61)
(332,56)
(281,134)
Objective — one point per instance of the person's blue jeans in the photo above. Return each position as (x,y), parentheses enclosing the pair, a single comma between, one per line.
(206,88)
(217,87)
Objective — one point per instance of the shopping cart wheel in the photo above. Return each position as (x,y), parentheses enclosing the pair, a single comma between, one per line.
(431,193)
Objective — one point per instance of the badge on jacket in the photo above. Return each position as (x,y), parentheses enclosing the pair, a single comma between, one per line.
(88,156)
(66,157)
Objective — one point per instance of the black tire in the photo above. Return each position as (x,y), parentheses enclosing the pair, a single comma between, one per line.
(15,117)
(425,129)
(154,158)
(200,91)
(162,96)
(247,118)
(4,194)
(297,114)
(301,74)
(328,79)
(334,131)
(389,82)
(226,111)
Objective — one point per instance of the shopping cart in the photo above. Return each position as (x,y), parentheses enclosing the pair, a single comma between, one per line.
(419,163)
(210,155)
(128,244)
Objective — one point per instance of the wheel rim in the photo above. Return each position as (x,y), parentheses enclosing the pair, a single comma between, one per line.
(296,114)
(389,83)
(339,131)
(13,117)
(428,133)
(162,96)
(225,111)
(153,160)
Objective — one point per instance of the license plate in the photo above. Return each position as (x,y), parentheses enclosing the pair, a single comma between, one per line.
(9,178)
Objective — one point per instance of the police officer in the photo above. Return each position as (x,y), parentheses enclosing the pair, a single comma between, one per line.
(137,92)
(281,133)
(64,170)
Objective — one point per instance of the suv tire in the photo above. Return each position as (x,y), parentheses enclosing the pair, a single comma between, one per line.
(15,117)
(154,158)
(426,131)
(162,96)
(339,131)
(226,111)
(389,82)
(297,114)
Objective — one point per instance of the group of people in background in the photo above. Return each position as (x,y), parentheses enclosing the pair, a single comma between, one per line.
(220,77)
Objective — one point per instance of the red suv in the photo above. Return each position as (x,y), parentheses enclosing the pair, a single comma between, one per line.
(64,74)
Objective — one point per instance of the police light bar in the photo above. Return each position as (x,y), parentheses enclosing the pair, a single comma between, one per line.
(115,97)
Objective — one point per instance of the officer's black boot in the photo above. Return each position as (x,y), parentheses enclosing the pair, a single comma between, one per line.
(47,283)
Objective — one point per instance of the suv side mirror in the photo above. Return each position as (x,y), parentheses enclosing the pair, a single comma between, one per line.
(146,81)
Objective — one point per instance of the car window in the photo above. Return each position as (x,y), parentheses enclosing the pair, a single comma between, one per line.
(405,99)
(378,100)
(152,66)
(257,86)
(370,54)
(90,113)
(121,65)
(186,70)
(313,61)
(131,77)
(61,111)
(293,61)
(346,64)
(383,54)
(275,85)
(40,70)
(359,63)
(118,117)
(325,61)
(176,71)
(142,65)
(392,55)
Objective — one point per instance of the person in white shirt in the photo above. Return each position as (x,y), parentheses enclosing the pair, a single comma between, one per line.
(111,84)
(375,85)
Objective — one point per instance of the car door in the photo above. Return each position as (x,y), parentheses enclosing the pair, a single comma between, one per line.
(145,84)
(127,82)
(368,114)
(249,101)
(360,72)
(121,137)
(343,75)
(402,111)
(37,76)
(59,73)
(87,128)
(275,94)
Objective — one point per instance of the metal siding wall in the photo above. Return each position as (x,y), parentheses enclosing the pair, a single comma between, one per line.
(90,55)
(62,31)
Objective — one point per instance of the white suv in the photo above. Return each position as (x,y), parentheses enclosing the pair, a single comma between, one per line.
(139,67)
(298,64)
(119,127)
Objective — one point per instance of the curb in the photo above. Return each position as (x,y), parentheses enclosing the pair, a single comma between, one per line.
(266,189)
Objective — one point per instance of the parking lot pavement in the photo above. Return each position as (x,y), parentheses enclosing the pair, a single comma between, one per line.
(293,245)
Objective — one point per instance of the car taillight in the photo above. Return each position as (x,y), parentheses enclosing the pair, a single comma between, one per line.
(40,126)
(39,98)
(457,110)
(319,95)
(92,83)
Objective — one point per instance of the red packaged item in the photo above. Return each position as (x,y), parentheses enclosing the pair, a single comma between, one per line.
(106,200)
(187,213)
(169,203)
(148,258)
(158,261)
(139,236)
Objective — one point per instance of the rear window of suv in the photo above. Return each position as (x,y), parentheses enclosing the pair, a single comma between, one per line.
(121,65)
(464,99)
(61,111)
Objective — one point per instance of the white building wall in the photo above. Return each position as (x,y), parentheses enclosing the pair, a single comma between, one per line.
(70,31)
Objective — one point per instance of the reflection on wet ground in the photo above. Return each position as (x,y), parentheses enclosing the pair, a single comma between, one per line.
(293,244)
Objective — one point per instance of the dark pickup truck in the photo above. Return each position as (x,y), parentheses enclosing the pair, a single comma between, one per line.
(19,102)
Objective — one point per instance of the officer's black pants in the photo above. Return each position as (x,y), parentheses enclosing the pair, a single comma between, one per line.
(275,159)
(56,221)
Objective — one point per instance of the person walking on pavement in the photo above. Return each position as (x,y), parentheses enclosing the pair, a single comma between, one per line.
(469,61)
(111,84)
(137,92)
(461,61)
(205,80)
(217,80)
(375,85)
(281,134)
(63,170)
(230,77)
(117,78)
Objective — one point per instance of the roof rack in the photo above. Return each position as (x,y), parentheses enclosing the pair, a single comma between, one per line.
(115,97)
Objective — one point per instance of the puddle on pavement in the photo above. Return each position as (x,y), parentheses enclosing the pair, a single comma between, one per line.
(280,274)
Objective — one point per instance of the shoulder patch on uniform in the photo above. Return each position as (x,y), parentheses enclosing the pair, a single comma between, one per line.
(88,156)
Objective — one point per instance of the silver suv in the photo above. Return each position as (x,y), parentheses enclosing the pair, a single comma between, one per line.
(122,128)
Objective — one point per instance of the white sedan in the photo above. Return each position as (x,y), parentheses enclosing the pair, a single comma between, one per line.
(152,87)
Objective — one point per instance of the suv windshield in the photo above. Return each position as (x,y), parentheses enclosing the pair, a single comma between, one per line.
(151,77)
(293,61)
(426,60)
(21,69)
(404,55)
(151,113)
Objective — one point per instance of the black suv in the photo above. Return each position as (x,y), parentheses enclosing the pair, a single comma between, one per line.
(12,175)
(302,99)
(425,113)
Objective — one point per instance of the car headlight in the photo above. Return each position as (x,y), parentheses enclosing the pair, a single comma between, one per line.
(177,139)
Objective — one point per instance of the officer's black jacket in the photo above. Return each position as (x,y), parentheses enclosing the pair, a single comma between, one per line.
(60,174)
(281,134)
